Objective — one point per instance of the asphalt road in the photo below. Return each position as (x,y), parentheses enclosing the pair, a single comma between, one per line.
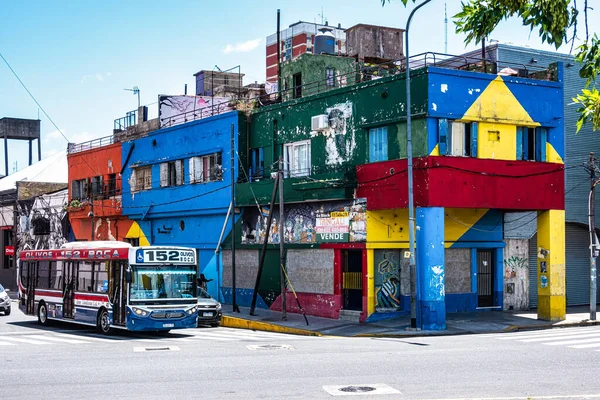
(74,362)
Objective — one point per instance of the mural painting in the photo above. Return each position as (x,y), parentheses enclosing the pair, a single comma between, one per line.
(339,221)
(387,280)
(174,110)
(340,135)
(43,222)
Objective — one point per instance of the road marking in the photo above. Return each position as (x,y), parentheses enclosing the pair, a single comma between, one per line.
(29,341)
(573,335)
(548,333)
(570,342)
(55,339)
(7,344)
(585,346)
(566,396)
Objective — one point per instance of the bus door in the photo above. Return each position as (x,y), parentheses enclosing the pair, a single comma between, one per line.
(118,291)
(69,290)
(30,286)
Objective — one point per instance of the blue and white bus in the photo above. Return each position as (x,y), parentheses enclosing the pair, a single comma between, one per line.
(111,285)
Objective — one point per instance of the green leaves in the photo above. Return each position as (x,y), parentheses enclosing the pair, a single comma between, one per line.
(588,55)
(589,99)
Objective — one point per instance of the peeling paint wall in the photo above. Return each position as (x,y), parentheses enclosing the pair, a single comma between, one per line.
(516,274)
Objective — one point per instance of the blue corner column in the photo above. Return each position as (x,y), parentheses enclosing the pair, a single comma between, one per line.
(499,278)
(431,297)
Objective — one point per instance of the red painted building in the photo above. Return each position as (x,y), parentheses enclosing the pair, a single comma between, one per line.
(95,192)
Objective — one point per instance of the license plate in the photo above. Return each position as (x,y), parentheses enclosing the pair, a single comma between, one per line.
(207,314)
(168,325)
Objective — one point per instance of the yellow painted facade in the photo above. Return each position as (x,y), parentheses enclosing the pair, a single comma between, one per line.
(551,265)
(552,155)
(370,282)
(497,141)
(135,232)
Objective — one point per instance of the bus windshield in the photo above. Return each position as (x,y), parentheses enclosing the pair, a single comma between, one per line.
(162,282)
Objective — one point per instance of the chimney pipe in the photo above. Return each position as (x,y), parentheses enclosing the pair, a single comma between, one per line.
(185,90)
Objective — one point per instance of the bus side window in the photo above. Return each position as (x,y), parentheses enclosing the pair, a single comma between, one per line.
(84,276)
(43,274)
(56,275)
(100,277)
(25,273)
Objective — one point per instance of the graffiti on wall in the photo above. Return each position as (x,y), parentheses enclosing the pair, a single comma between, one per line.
(307,223)
(387,279)
(43,222)
(514,263)
(174,110)
(339,134)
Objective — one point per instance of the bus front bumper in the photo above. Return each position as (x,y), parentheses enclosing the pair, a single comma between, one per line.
(136,323)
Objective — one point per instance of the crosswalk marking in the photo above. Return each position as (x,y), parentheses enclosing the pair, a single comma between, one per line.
(6,344)
(54,339)
(576,338)
(21,340)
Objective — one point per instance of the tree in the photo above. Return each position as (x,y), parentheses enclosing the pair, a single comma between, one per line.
(556,24)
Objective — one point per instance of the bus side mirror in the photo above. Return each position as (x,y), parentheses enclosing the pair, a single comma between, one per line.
(128,276)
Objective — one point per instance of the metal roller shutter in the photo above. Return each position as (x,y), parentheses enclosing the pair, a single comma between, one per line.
(533,283)
(578,265)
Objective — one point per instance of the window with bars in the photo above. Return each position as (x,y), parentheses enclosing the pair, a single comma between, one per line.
(206,168)
(171,173)
(330,76)
(141,178)
(296,158)
(257,159)
(79,189)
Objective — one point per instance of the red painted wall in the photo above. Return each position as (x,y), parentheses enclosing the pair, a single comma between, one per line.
(464,182)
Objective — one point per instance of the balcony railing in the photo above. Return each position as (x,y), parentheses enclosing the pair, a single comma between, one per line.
(130,119)
(92,144)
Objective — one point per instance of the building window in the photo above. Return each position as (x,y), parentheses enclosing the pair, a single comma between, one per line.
(112,185)
(135,242)
(257,158)
(297,84)
(206,168)
(330,76)
(97,186)
(171,173)
(141,178)
(378,144)
(79,189)
(531,143)
(457,138)
(296,158)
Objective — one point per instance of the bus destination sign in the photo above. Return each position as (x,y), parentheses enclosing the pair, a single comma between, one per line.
(164,256)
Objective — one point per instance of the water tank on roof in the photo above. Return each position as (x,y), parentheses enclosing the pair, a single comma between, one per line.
(324,42)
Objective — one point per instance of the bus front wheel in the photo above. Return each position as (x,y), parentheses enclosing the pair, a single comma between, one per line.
(104,322)
(43,314)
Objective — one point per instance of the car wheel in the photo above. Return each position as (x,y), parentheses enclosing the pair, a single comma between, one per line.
(7,312)
(42,314)
(104,322)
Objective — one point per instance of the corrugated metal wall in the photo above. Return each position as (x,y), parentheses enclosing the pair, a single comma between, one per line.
(577,269)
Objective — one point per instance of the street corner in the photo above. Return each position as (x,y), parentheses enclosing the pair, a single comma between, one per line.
(242,323)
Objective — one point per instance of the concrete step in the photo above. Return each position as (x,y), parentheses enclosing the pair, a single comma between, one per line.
(350,315)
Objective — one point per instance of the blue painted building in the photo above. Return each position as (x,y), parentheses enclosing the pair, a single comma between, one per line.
(177,186)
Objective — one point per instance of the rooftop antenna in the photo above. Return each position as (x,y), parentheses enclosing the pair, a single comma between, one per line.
(135,91)
(322,16)
(445,29)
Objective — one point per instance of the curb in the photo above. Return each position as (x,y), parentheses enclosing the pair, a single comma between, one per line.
(241,323)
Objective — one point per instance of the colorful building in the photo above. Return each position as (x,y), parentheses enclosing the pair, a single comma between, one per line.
(95,192)
(483,144)
(177,186)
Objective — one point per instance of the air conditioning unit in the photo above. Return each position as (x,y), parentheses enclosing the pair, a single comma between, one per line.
(319,122)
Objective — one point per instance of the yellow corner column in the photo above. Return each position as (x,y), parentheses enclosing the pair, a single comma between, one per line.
(370,282)
(552,304)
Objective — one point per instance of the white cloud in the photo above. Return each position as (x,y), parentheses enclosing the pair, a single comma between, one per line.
(98,77)
(242,47)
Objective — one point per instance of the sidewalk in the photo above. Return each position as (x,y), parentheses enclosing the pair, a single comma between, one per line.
(457,323)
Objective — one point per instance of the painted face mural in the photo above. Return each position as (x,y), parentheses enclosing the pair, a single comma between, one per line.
(387,279)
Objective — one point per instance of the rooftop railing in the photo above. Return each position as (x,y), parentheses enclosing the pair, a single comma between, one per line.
(92,144)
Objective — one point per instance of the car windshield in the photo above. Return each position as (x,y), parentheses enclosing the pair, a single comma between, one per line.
(163,282)
(203,294)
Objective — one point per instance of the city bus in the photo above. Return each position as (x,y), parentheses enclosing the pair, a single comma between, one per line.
(111,285)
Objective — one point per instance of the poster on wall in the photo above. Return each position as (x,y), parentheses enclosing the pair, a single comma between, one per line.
(174,110)
(327,222)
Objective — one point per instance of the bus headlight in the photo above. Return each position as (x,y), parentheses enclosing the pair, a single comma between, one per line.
(192,310)
(139,311)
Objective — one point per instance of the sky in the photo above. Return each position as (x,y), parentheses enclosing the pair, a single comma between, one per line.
(77,57)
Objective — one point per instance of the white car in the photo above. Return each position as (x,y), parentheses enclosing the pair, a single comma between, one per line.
(4,301)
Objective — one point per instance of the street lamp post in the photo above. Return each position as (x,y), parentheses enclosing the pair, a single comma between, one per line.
(411,208)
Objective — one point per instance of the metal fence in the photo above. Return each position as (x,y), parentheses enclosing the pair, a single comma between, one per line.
(92,144)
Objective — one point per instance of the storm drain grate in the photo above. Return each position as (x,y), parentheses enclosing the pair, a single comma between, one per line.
(356,390)
(270,347)
(142,349)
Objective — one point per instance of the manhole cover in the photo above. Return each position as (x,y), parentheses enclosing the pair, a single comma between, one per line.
(270,347)
(357,389)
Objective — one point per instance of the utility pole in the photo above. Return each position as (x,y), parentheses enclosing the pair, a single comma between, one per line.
(281,243)
(593,248)
(233,289)
(411,208)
